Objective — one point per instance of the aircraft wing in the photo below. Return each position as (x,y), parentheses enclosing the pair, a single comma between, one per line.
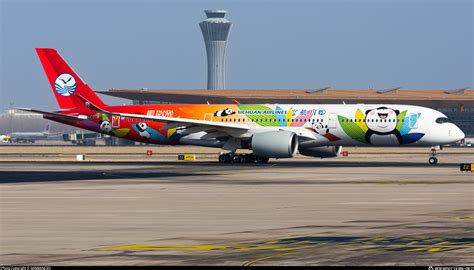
(191,126)
(214,129)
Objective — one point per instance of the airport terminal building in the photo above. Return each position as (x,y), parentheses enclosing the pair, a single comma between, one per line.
(458,104)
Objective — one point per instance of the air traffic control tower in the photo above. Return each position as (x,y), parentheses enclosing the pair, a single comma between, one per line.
(215,30)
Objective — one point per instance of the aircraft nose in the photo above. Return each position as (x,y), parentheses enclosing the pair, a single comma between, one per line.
(457,133)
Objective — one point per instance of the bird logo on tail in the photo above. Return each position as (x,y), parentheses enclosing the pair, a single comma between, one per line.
(65,84)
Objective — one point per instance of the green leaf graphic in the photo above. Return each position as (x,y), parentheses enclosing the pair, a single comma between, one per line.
(400,117)
(121,132)
(352,129)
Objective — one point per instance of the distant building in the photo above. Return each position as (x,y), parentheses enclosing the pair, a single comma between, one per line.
(215,30)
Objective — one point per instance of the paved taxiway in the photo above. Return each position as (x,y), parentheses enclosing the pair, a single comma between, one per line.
(367,211)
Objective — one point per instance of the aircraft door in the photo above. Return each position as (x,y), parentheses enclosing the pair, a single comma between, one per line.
(332,122)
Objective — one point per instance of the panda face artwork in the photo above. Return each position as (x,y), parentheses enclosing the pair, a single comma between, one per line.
(142,130)
(320,128)
(382,124)
(382,119)
(324,131)
(225,112)
(142,126)
(105,127)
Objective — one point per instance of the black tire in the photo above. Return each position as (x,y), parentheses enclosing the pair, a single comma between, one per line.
(223,158)
(433,160)
(236,159)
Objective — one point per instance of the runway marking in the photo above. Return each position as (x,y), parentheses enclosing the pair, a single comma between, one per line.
(400,244)
(468,217)
(267,257)
(165,248)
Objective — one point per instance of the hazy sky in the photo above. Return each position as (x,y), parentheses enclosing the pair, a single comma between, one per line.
(417,44)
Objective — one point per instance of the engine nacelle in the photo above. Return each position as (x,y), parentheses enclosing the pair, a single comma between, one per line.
(274,144)
(321,151)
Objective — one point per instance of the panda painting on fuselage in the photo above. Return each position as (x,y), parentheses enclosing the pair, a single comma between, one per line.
(382,126)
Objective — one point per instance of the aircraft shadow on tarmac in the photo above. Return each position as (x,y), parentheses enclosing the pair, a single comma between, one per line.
(201,169)
(44,176)
(318,163)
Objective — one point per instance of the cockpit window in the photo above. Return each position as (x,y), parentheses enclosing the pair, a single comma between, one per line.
(441,120)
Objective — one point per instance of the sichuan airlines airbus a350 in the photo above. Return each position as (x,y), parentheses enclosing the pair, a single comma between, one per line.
(268,130)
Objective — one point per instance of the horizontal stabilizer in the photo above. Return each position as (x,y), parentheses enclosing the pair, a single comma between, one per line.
(51,114)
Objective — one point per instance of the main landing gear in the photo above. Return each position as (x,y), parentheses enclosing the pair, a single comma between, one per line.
(241,158)
(433,160)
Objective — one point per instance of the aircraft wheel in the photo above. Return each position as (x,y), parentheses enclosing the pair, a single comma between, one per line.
(224,158)
(236,159)
(433,160)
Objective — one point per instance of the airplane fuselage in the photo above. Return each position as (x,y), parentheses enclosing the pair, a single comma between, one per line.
(318,124)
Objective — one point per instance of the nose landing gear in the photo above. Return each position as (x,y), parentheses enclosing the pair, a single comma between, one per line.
(433,160)
(241,158)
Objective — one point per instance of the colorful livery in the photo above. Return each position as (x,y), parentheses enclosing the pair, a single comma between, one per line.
(269,130)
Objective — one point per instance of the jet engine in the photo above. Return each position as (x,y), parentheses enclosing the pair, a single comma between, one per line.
(321,151)
(274,144)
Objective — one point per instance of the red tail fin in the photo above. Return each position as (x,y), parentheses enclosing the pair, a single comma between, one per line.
(65,82)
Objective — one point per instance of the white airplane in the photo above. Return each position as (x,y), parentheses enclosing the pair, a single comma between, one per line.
(25,137)
(269,130)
